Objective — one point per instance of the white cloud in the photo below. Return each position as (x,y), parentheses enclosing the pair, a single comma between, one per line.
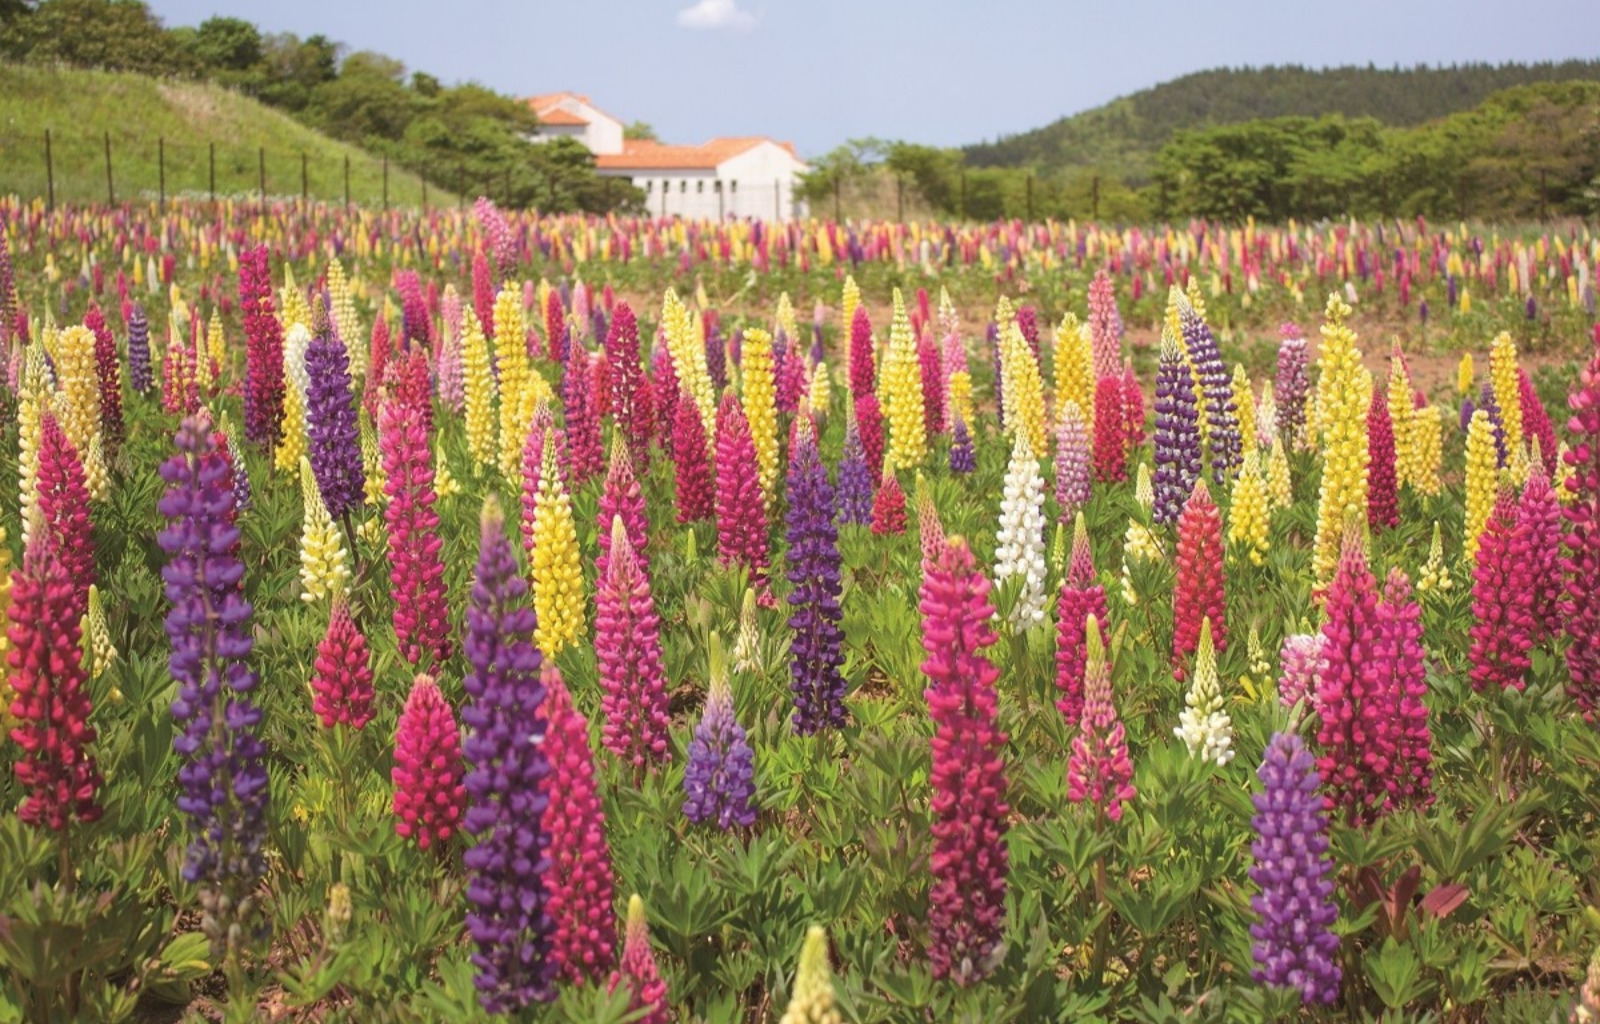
(716,14)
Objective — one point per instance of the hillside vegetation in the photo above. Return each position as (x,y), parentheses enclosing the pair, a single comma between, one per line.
(79,107)
(1122,137)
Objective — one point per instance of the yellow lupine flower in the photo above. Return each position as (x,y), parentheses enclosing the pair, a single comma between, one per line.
(478,384)
(292,303)
(1192,293)
(1483,479)
(1245,402)
(760,407)
(1075,367)
(1280,488)
(821,389)
(813,1001)
(1023,388)
(1464,374)
(848,303)
(1435,574)
(1564,473)
(685,345)
(961,397)
(343,313)
(1344,395)
(216,345)
(1143,492)
(1249,515)
(372,465)
(98,650)
(785,316)
(324,564)
(445,484)
(511,359)
(902,387)
(557,563)
(78,400)
(1427,442)
(1507,393)
(292,445)
(1139,545)
(1402,417)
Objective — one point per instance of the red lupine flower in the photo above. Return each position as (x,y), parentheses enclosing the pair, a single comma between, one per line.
(628,648)
(863,373)
(664,393)
(1400,638)
(1540,511)
(1132,408)
(1504,592)
(1581,566)
(429,798)
(869,424)
(638,970)
(377,366)
(1536,421)
(109,371)
(631,398)
(889,507)
(1382,505)
(1199,590)
(263,391)
(341,686)
(483,292)
(63,501)
(690,456)
(585,454)
(1081,597)
(932,361)
(416,563)
(741,511)
(1110,432)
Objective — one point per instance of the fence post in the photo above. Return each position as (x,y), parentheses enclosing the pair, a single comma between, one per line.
(347,179)
(1094,197)
(161,175)
(386,181)
(305,180)
(49,172)
(213,158)
(424,188)
(963,195)
(1030,197)
(836,198)
(899,198)
(111,189)
(261,167)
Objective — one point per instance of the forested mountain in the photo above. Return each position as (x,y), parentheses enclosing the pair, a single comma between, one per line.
(1123,137)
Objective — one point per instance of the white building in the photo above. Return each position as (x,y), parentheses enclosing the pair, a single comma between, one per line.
(732,177)
(569,115)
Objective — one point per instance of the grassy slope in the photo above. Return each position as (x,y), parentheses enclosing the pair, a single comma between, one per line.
(1123,136)
(79,107)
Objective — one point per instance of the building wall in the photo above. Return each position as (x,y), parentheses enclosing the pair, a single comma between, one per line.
(758,183)
(604,135)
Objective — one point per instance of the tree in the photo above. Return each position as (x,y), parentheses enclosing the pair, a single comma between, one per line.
(227,44)
(113,35)
(640,130)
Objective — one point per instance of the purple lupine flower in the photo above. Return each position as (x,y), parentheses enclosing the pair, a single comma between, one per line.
(1293,383)
(993,337)
(1467,409)
(501,244)
(8,289)
(505,750)
(415,323)
(1072,462)
(1489,404)
(1295,945)
(855,479)
(1177,440)
(719,779)
(241,478)
(223,775)
(814,656)
(716,358)
(962,457)
(139,373)
(1221,413)
(334,437)
(1422,311)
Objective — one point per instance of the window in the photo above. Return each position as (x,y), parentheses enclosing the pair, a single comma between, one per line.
(733,186)
(648,186)
(683,186)
(700,186)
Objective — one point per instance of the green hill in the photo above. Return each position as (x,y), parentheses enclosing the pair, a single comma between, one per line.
(140,114)
(1123,136)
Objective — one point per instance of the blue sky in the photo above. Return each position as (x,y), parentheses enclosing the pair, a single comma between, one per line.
(944,72)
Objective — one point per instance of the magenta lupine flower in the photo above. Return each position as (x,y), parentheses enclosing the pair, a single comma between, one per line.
(1581,566)
(1105,325)
(585,454)
(416,564)
(1132,409)
(502,244)
(933,407)
(631,398)
(579,880)
(1540,512)
(863,368)
(416,326)
(664,389)
(691,458)
(1295,945)
(1293,384)
(869,425)
(263,386)
(741,513)
(1536,421)
(622,496)
(1081,598)
(1400,637)
(628,649)
(967,904)
(1099,769)
(108,370)
(1072,462)
(483,292)
(1383,508)
(428,795)
(815,655)
(1504,592)
(341,686)
(1300,665)
(638,971)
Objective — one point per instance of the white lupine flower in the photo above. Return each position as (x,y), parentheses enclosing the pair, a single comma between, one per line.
(1019,544)
(1204,725)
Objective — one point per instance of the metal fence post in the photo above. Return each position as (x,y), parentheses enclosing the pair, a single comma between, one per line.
(386,181)
(305,180)
(424,188)
(161,175)
(49,172)
(213,161)
(111,189)
(347,179)
(261,167)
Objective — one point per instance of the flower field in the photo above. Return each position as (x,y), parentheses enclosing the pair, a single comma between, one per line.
(461,614)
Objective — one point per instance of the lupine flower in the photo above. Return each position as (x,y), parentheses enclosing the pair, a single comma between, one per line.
(1507,388)
(1300,666)
(1132,411)
(692,478)
(930,529)
(341,307)
(855,480)
(1382,504)
(49,690)
(1295,944)
(1081,599)
(1293,384)
(1204,725)
(335,438)
(812,1000)
(1075,372)
(963,459)
(1427,442)
(1098,769)
(324,563)
(108,371)
(889,507)
(1400,636)
(139,374)
(1024,390)
(1244,400)
(1199,591)
(223,774)
(62,499)
(557,566)
(760,406)
(1177,439)
(1403,413)
(1105,325)
(1540,512)
(637,969)
(506,892)
(747,655)
(341,684)
(1504,594)
(1266,418)
(1536,423)
(966,914)
(719,779)
(930,370)
(502,244)
(664,391)
(622,496)
(518,390)
(579,878)
(1488,402)
(1249,515)
(631,397)
(416,568)
(1482,480)
(1222,434)
(1344,393)
(689,359)
(1072,462)
(1110,432)
(585,454)
(813,560)
(428,794)
(1581,565)
(902,391)
(821,389)
(869,427)
(98,650)
(264,388)
(628,649)
(479,386)
(863,371)
(1019,542)
(78,399)
(6,693)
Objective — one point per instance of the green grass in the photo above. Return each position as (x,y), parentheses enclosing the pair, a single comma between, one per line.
(79,108)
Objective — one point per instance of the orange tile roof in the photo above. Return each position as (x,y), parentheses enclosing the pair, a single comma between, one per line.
(551,110)
(560,116)
(639,154)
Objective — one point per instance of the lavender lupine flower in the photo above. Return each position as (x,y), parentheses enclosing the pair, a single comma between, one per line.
(719,779)
(1221,414)
(139,373)
(1177,440)
(331,427)
(504,748)
(1300,665)
(1491,405)
(1467,409)
(1295,945)
(241,477)
(855,479)
(223,775)
(814,656)
(1293,383)
(716,358)
(962,457)
(1072,462)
